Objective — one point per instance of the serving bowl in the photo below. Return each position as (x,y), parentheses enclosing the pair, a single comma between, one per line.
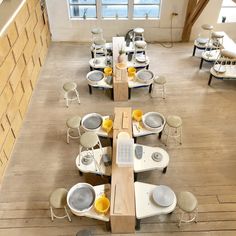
(81,198)
(153,121)
(92,122)
(94,77)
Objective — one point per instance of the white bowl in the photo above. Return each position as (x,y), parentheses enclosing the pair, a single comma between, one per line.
(151,128)
(92,74)
(83,195)
(88,116)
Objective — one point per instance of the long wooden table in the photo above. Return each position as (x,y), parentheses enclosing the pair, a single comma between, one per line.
(120,76)
(122,210)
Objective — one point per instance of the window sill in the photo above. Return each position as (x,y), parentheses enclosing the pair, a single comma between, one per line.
(82,19)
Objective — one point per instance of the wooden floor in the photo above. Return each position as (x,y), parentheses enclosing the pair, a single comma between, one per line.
(204,164)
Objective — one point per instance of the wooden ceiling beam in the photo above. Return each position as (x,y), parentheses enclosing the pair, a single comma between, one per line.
(194,10)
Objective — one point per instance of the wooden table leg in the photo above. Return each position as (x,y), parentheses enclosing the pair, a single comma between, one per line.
(138,223)
(209,81)
(150,88)
(164,170)
(90,89)
(200,66)
(194,50)
(129,93)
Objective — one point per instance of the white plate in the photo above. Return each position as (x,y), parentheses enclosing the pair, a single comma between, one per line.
(163,195)
(220,68)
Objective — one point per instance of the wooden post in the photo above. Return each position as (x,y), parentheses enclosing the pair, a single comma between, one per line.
(194,10)
(122,211)
(120,75)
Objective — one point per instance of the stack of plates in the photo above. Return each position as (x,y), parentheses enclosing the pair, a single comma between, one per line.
(163,196)
(95,76)
(92,122)
(144,76)
(153,121)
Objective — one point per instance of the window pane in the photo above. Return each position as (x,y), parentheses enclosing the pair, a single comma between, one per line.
(109,11)
(114,2)
(79,11)
(140,11)
(228,3)
(146,1)
(82,2)
(228,13)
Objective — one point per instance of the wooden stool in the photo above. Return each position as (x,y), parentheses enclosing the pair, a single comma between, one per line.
(73,124)
(70,87)
(159,84)
(173,128)
(89,140)
(58,200)
(187,203)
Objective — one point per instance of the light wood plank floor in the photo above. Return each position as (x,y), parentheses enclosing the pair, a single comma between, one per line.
(205,163)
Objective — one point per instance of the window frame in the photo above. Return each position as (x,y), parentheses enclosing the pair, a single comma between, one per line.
(81,17)
(220,19)
(130,8)
(147,4)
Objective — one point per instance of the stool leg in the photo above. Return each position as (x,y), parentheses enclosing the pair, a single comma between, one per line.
(168,135)
(180,220)
(79,132)
(196,215)
(163,92)
(77,95)
(52,215)
(180,134)
(68,135)
(67,100)
(68,216)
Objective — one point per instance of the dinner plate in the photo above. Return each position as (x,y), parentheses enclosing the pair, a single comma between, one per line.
(95,76)
(163,195)
(144,76)
(220,68)
(92,121)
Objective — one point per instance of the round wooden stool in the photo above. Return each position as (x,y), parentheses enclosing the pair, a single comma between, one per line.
(173,128)
(159,84)
(73,124)
(187,203)
(57,200)
(71,87)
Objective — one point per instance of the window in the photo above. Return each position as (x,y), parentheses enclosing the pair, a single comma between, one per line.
(228,11)
(115,8)
(82,9)
(146,9)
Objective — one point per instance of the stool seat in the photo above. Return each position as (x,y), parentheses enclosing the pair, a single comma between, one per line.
(174,121)
(160,80)
(140,44)
(96,31)
(217,35)
(99,42)
(58,198)
(207,27)
(73,122)
(69,86)
(187,201)
(138,30)
(89,139)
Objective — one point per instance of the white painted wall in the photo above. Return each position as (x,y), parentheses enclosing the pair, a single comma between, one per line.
(210,16)
(63,29)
